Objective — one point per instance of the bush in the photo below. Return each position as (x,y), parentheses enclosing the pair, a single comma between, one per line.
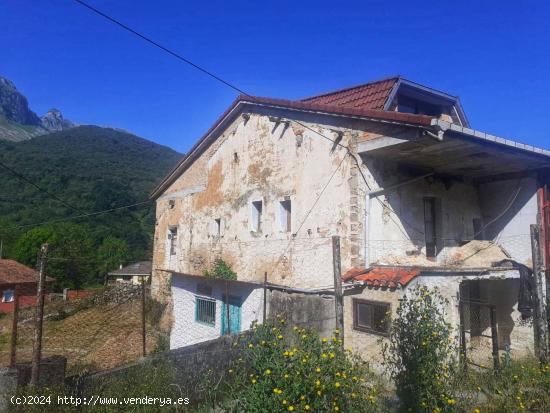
(420,353)
(297,371)
(221,270)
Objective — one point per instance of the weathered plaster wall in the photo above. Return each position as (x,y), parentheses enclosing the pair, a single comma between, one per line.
(258,159)
(305,311)
(512,205)
(186,331)
(395,224)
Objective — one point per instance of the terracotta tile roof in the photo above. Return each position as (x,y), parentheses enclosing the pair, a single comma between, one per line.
(13,272)
(137,268)
(372,95)
(390,277)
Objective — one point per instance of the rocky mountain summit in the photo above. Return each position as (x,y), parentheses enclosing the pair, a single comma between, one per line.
(18,122)
(53,121)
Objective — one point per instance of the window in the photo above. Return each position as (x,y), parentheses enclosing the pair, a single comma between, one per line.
(217,227)
(127,277)
(173,238)
(370,316)
(285,215)
(256,216)
(7,296)
(205,311)
(430,227)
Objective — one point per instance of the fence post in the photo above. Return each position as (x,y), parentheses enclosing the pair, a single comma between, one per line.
(494,337)
(143,330)
(37,347)
(265,298)
(540,326)
(462,335)
(13,341)
(338,296)
(227,307)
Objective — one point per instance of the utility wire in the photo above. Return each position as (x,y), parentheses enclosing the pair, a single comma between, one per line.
(85,215)
(25,179)
(156,44)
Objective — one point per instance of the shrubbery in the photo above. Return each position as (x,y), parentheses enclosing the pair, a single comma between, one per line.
(285,370)
(420,353)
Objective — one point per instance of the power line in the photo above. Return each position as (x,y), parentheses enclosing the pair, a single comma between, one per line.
(156,44)
(25,179)
(85,215)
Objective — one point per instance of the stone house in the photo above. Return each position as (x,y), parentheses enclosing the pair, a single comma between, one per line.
(391,166)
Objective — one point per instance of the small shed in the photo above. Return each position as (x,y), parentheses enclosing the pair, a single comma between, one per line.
(132,273)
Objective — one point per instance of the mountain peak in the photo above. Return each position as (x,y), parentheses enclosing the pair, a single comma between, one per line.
(53,121)
(14,106)
(19,122)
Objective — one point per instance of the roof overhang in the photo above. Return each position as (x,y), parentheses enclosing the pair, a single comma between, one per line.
(458,151)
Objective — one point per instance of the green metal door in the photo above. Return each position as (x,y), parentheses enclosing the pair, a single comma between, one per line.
(234,315)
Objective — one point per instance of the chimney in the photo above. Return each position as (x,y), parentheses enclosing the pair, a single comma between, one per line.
(120,267)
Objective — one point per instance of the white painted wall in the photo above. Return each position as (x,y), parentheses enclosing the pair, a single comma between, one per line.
(186,331)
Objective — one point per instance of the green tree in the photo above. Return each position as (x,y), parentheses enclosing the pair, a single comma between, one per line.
(111,253)
(71,259)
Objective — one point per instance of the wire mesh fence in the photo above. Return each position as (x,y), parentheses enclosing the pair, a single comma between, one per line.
(94,330)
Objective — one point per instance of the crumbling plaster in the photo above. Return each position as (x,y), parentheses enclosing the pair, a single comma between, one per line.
(259,158)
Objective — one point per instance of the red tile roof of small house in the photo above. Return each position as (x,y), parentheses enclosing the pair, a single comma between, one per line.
(13,272)
(372,95)
(390,277)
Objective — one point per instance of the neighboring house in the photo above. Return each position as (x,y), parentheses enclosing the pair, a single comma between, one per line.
(16,278)
(402,179)
(131,274)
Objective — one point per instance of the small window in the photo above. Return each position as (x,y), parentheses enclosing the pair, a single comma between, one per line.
(7,296)
(256,216)
(285,209)
(173,238)
(371,316)
(205,311)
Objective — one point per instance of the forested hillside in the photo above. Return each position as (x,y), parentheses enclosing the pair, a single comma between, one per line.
(91,169)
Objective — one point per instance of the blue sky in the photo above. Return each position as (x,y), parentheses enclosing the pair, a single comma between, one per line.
(493,54)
